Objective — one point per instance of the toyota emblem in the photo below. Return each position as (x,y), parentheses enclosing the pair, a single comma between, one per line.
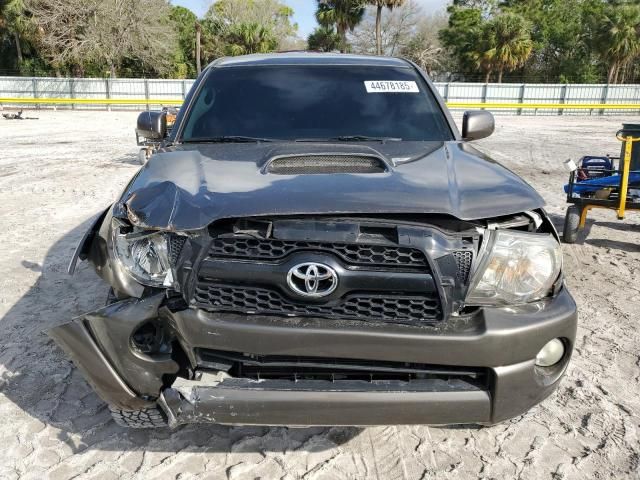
(312,279)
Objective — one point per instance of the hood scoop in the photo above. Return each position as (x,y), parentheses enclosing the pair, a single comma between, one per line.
(311,164)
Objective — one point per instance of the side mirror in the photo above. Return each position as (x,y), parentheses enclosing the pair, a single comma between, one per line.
(152,125)
(477,124)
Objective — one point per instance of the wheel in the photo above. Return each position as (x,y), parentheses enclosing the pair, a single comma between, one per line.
(143,155)
(143,418)
(571,224)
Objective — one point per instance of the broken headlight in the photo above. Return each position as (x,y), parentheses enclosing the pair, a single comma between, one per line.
(144,254)
(516,268)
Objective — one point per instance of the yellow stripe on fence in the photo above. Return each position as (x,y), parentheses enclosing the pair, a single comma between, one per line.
(549,106)
(161,101)
(91,101)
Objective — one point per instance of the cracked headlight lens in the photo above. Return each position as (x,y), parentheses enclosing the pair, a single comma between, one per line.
(144,254)
(518,267)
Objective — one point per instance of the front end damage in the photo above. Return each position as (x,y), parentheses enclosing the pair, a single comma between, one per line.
(222,339)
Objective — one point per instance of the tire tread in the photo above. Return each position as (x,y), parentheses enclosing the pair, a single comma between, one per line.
(144,418)
(571,224)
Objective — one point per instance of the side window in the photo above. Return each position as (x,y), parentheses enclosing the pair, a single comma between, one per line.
(204,103)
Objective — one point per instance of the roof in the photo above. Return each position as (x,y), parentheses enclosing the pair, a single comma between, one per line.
(308,58)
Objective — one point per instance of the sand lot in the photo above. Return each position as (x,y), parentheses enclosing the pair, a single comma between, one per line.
(58,171)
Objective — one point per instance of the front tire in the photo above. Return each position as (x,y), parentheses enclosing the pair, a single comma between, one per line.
(144,418)
(144,154)
(571,224)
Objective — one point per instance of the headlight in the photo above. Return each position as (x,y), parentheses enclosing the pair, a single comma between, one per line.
(144,254)
(517,267)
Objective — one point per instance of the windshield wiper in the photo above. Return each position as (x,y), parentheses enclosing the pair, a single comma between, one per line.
(351,138)
(229,139)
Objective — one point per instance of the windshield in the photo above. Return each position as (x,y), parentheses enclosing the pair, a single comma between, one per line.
(356,103)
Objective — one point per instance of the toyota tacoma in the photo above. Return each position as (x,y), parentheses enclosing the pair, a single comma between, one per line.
(314,242)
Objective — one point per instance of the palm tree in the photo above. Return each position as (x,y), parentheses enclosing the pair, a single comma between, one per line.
(482,58)
(344,14)
(380,4)
(619,38)
(324,39)
(244,38)
(508,38)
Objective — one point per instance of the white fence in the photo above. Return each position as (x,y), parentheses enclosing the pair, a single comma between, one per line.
(541,93)
(159,91)
(92,89)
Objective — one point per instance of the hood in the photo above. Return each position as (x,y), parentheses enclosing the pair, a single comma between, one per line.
(189,186)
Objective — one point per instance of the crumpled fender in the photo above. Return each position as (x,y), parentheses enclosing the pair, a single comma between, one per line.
(99,345)
(82,250)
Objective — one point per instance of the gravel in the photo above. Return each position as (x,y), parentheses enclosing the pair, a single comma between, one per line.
(58,171)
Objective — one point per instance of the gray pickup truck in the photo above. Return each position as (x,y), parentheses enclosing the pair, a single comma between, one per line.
(315,243)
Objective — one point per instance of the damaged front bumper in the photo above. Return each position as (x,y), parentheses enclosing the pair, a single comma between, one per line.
(485,360)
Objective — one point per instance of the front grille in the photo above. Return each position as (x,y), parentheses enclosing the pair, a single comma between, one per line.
(407,309)
(355,254)
(323,164)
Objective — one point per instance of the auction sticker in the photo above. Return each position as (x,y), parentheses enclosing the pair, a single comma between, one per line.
(391,86)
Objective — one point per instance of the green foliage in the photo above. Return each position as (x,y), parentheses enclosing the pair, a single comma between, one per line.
(618,39)
(212,41)
(562,32)
(184,57)
(490,44)
(246,38)
(344,15)
(571,40)
(324,39)
(511,40)
(34,67)
(463,36)
(17,34)
(509,43)
(238,27)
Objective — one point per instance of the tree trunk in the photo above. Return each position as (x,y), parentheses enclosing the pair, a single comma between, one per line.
(624,73)
(500,71)
(342,33)
(612,71)
(487,76)
(379,30)
(198,63)
(18,47)
(112,69)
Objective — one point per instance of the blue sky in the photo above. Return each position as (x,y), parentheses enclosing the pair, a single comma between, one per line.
(303,10)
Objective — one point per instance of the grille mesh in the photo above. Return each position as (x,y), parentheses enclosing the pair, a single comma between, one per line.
(175,247)
(318,164)
(415,310)
(464,259)
(357,254)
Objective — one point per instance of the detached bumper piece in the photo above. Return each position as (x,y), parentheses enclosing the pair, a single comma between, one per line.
(325,403)
(293,390)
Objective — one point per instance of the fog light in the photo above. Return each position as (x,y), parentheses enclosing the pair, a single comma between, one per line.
(551,353)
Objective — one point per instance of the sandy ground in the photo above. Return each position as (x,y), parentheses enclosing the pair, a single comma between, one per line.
(58,171)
